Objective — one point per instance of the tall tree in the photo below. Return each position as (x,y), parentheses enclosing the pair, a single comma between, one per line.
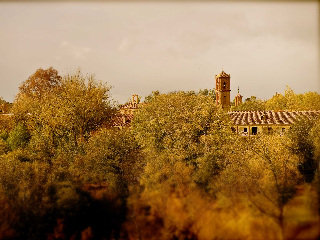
(32,93)
(266,170)
(250,104)
(41,83)
(302,143)
(64,109)
(294,102)
(189,127)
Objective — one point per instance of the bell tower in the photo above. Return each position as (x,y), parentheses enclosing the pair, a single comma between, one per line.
(238,99)
(223,90)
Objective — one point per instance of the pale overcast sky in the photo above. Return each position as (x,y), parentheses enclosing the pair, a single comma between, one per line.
(139,47)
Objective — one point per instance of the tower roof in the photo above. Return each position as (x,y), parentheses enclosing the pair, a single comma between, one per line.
(239,95)
(222,74)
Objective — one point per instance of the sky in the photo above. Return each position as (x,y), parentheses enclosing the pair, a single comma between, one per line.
(139,47)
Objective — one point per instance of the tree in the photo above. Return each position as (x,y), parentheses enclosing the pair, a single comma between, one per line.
(41,83)
(176,122)
(32,92)
(81,107)
(189,127)
(311,101)
(63,110)
(302,144)
(277,102)
(39,199)
(250,104)
(314,135)
(151,96)
(5,106)
(266,170)
(169,203)
(18,137)
(111,156)
(294,102)
(208,92)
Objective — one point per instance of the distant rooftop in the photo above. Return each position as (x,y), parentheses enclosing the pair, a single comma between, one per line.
(222,74)
(270,117)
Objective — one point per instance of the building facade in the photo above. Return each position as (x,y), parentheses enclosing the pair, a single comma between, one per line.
(249,123)
(126,112)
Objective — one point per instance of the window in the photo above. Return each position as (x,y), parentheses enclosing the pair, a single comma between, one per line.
(224,85)
(245,129)
(254,130)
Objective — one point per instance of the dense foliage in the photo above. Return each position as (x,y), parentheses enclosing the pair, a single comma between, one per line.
(178,172)
(287,101)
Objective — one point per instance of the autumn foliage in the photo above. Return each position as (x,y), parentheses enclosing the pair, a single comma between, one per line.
(178,171)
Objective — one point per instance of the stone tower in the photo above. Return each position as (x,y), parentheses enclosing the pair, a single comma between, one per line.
(238,99)
(135,99)
(223,90)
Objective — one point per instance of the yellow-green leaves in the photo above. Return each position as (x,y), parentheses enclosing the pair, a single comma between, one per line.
(186,128)
(176,122)
(288,101)
(294,102)
(63,109)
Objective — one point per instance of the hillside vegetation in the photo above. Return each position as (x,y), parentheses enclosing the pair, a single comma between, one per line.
(178,172)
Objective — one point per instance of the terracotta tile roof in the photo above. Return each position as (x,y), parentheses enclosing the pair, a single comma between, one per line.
(243,117)
(269,117)
(118,120)
(129,105)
